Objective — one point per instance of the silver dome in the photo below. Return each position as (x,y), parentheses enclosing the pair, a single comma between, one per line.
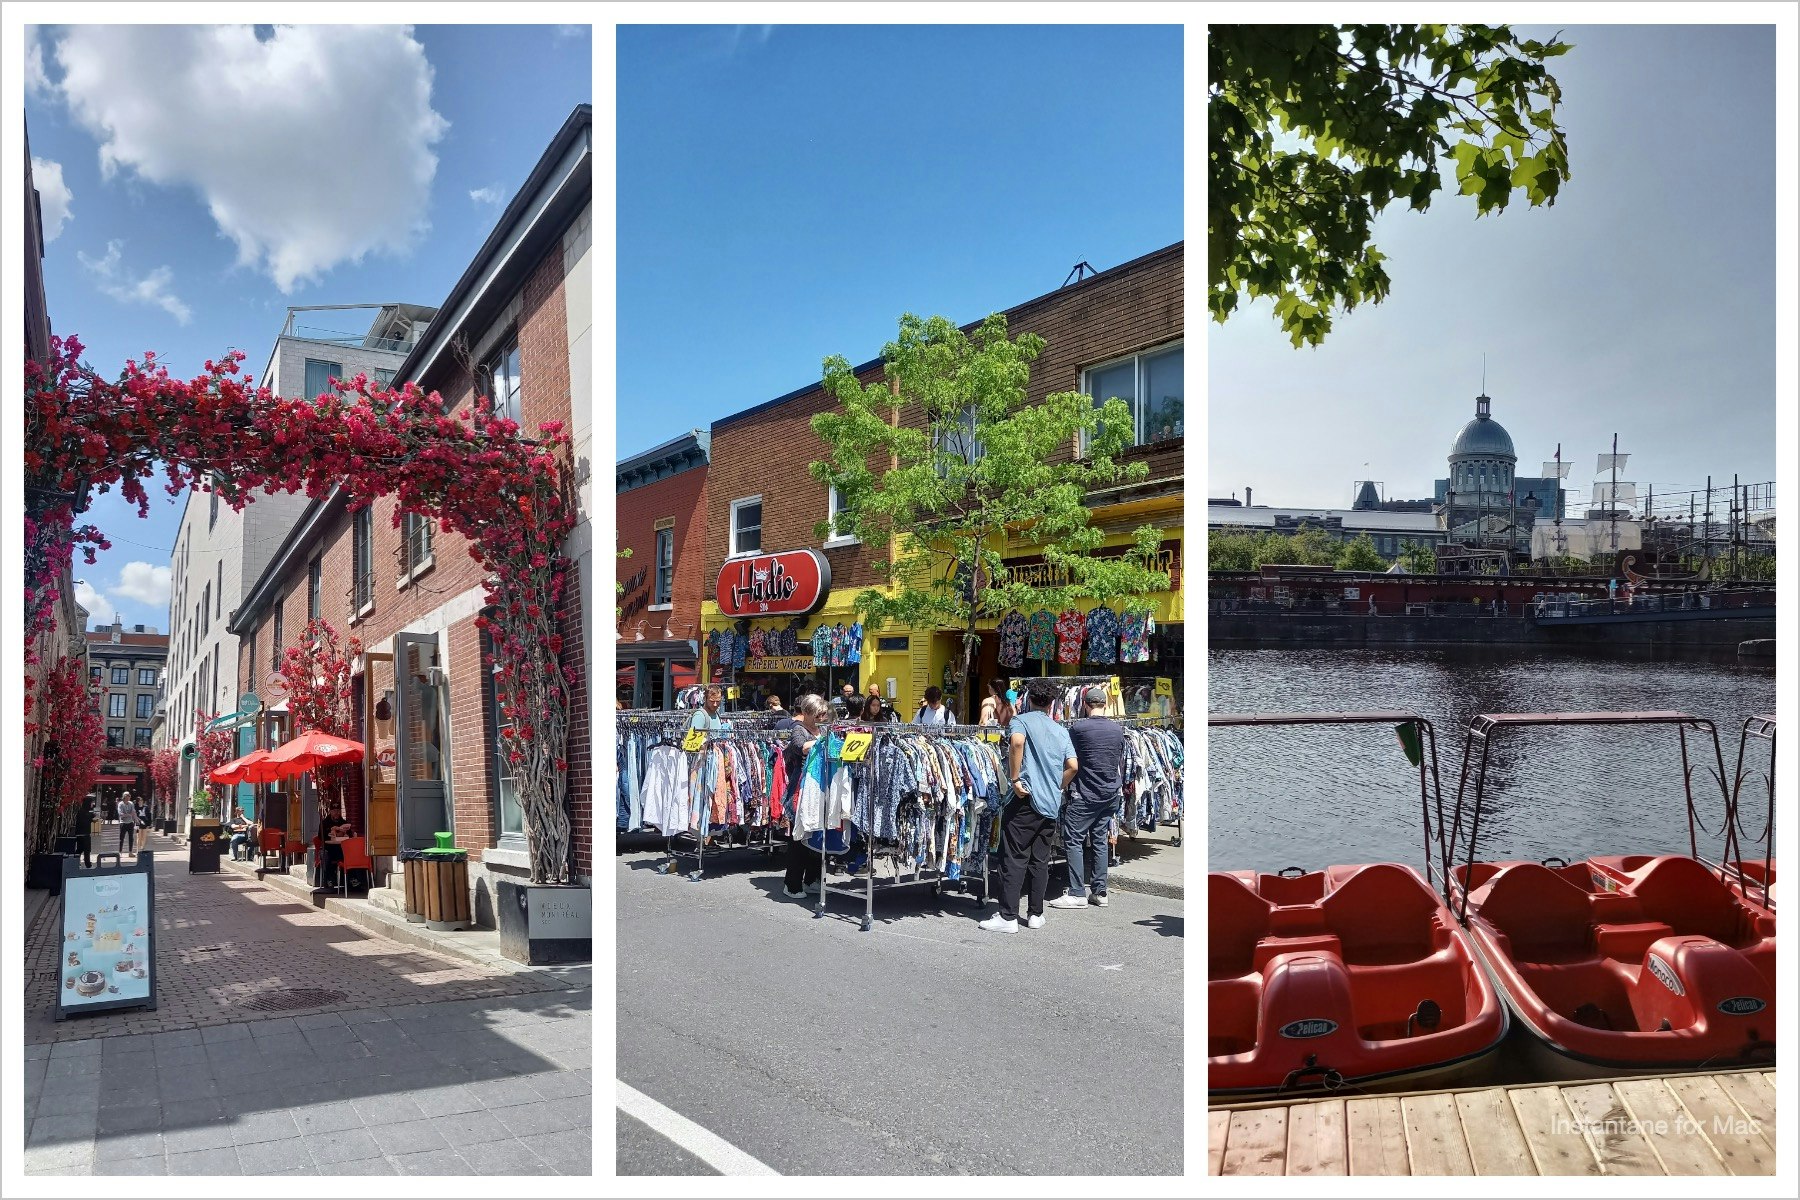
(1483,437)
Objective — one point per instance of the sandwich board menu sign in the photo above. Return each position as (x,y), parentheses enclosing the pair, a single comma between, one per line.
(107,952)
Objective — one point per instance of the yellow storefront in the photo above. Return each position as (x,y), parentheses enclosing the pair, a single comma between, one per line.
(902,663)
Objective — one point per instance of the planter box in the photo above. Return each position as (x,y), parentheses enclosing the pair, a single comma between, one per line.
(47,873)
(545,923)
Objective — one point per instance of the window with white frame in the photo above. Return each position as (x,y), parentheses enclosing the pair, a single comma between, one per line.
(1151,384)
(746,525)
(415,541)
(503,381)
(362,560)
(319,374)
(835,505)
(957,437)
(664,592)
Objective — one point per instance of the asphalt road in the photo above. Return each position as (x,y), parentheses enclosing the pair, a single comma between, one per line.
(925,1046)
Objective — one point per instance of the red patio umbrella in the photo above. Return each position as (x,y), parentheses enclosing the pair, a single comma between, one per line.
(253,767)
(312,750)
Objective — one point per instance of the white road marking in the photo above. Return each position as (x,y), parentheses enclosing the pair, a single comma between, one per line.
(1120,967)
(697,1140)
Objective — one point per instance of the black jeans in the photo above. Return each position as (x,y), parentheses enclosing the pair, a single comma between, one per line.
(127,837)
(1024,857)
(85,844)
(803,864)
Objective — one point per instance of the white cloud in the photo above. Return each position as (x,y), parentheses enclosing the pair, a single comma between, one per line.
(310,147)
(152,289)
(36,82)
(564,32)
(145,583)
(491,194)
(53,195)
(100,609)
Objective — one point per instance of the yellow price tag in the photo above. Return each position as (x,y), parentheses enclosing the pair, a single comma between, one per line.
(695,740)
(1165,687)
(992,735)
(731,693)
(855,746)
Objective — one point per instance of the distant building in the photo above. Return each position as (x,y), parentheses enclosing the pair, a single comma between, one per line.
(128,663)
(1389,530)
(662,521)
(1485,502)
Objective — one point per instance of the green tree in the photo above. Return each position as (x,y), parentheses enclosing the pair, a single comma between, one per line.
(1359,554)
(944,465)
(1418,558)
(1315,129)
(1230,551)
(1308,546)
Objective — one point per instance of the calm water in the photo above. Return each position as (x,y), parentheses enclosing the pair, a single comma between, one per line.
(1316,796)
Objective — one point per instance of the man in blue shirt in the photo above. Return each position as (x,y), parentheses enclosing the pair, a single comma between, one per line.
(1042,761)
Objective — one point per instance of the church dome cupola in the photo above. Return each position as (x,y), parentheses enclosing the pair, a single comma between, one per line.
(1483,437)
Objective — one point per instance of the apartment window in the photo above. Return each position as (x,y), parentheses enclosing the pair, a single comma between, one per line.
(506,788)
(212,511)
(383,378)
(219,589)
(115,736)
(362,531)
(834,505)
(746,525)
(319,374)
(503,381)
(1151,383)
(415,541)
(121,675)
(94,673)
(146,677)
(206,607)
(144,701)
(115,704)
(314,578)
(665,566)
(250,657)
(275,643)
(958,438)
(141,738)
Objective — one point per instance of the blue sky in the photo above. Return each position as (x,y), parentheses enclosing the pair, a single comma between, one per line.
(786,192)
(335,165)
(1642,303)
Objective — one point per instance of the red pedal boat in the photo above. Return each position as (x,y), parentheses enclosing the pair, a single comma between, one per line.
(1353,976)
(1631,962)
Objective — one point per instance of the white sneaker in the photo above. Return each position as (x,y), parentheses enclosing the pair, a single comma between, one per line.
(790,893)
(812,889)
(1036,922)
(1098,899)
(1067,901)
(999,924)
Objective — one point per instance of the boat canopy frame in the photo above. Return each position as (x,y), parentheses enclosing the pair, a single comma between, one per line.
(1486,727)
(1431,790)
(1760,728)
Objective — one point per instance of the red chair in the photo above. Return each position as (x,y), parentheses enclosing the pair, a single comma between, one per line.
(269,845)
(356,858)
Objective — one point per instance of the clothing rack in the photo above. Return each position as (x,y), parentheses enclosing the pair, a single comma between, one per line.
(752,727)
(940,880)
(1172,723)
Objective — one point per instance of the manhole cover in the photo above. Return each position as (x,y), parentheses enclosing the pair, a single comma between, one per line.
(291,999)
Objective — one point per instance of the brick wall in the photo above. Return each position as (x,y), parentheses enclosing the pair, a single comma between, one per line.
(682,497)
(1131,308)
(544,396)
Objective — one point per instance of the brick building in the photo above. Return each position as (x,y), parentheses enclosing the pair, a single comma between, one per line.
(1116,333)
(521,318)
(662,521)
(129,664)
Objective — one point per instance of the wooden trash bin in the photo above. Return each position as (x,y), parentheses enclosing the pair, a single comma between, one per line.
(437,888)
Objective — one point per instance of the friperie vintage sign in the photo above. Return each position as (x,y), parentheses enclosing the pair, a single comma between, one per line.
(793,583)
(1035,572)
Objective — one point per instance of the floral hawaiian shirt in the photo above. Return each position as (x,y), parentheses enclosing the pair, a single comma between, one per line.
(1070,627)
(1012,639)
(1103,636)
(1134,636)
(1040,636)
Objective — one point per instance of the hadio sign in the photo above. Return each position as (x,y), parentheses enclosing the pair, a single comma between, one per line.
(793,583)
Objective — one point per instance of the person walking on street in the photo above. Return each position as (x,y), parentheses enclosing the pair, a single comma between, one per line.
(932,711)
(804,864)
(127,825)
(1042,762)
(84,828)
(1093,798)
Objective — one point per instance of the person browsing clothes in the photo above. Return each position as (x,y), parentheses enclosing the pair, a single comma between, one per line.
(1041,762)
(1094,795)
(803,863)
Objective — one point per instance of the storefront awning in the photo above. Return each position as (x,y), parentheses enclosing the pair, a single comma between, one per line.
(632,651)
(116,779)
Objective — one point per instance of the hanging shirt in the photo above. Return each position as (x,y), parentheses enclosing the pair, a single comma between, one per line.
(853,651)
(1070,627)
(1134,636)
(1040,636)
(1012,639)
(821,646)
(1103,636)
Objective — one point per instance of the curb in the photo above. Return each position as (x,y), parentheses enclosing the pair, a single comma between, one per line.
(1124,881)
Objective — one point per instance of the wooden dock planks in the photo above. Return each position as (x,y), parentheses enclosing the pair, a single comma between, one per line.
(1677,1125)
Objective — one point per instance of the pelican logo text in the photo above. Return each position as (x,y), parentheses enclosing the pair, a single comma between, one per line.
(1665,975)
(1741,1006)
(1312,1028)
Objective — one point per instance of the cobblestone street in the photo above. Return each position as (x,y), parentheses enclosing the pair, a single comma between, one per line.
(288,1041)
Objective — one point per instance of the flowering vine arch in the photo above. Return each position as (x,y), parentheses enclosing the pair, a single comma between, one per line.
(473,473)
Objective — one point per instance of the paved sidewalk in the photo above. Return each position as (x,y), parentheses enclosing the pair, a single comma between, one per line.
(289,1041)
(1150,863)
